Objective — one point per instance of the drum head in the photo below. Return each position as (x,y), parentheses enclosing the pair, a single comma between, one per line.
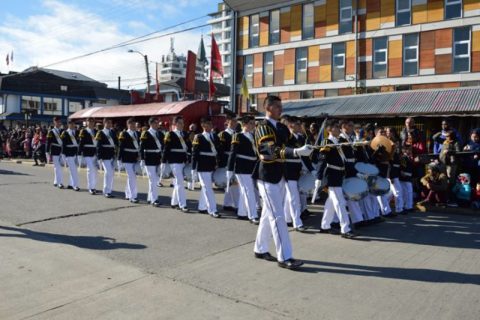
(220,177)
(367,169)
(306,182)
(380,187)
(355,188)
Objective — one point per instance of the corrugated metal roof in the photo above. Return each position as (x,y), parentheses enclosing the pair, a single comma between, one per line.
(457,101)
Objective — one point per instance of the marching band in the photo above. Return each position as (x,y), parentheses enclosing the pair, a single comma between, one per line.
(273,165)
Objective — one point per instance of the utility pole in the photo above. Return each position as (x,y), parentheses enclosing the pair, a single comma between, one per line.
(119,80)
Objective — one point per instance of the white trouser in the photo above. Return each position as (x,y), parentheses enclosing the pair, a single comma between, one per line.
(57,170)
(207,197)
(131,186)
(355,211)
(152,183)
(179,196)
(231,197)
(72,168)
(247,204)
(371,207)
(336,205)
(292,203)
(91,172)
(384,203)
(407,190)
(397,194)
(257,195)
(108,173)
(272,222)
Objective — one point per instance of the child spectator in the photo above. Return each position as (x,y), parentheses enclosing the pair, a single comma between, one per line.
(406,174)
(434,187)
(463,190)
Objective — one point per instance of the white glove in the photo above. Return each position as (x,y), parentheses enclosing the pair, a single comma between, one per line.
(194,175)
(318,183)
(229,175)
(304,151)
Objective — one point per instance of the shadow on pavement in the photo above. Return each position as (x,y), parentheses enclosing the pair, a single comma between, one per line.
(13,173)
(423,275)
(87,242)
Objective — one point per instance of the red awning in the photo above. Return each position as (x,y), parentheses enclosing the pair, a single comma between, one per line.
(147,110)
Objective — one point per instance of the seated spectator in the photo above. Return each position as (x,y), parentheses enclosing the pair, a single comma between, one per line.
(472,163)
(462,190)
(434,187)
(448,157)
(440,137)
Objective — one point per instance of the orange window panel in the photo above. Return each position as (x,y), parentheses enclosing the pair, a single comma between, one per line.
(443,38)
(434,10)
(295,21)
(332,15)
(326,73)
(469,5)
(387,11)
(443,63)
(284,26)
(419,14)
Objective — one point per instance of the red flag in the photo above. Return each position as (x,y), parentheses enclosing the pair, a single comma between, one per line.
(211,88)
(216,63)
(8,59)
(190,73)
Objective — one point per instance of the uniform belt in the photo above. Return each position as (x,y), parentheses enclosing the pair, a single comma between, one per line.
(210,154)
(89,146)
(130,150)
(178,150)
(228,153)
(107,146)
(396,166)
(71,146)
(351,160)
(406,174)
(293,160)
(331,166)
(152,150)
(56,145)
(241,156)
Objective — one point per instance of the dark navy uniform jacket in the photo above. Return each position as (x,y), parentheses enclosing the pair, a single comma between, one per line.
(69,147)
(87,146)
(54,142)
(294,166)
(406,169)
(205,153)
(129,146)
(332,167)
(271,140)
(106,145)
(350,159)
(150,149)
(225,138)
(175,151)
(243,157)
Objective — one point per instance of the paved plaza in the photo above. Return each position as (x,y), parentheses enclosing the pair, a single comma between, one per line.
(70,255)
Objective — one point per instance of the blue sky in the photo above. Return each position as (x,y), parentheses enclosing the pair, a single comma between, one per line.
(41,32)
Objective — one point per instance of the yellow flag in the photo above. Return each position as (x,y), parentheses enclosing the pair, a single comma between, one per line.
(244,90)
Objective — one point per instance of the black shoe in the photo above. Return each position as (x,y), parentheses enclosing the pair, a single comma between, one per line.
(134,200)
(35,165)
(255,221)
(265,256)
(203,211)
(156,204)
(328,231)
(60,186)
(349,235)
(175,207)
(335,225)
(305,214)
(92,192)
(300,229)
(290,264)
(70,187)
(76,189)
(108,195)
(216,215)
(55,185)
(242,217)
(290,224)
(227,208)
(95,191)
(160,185)
(185,210)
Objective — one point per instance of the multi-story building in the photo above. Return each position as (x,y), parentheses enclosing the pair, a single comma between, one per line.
(221,22)
(173,66)
(324,48)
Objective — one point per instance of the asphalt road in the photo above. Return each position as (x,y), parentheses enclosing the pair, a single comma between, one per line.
(70,255)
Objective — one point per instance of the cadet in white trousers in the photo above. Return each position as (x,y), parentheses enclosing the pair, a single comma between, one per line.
(87,149)
(129,156)
(54,148)
(70,150)
(107,143)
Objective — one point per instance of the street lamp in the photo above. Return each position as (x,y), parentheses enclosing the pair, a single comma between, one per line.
(146,68)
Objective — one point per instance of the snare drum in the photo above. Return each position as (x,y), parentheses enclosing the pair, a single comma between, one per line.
(219,178)
(306,183)
(367,172)
(354,189)
(187,172)
(380,186)
(167,172)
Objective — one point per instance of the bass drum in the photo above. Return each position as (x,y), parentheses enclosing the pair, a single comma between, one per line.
(367,172)
(167,172)
(380,186)
(306,183)
(220,178)
(187,172)
(355,189)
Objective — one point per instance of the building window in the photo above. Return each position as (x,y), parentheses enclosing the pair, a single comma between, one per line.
(453,9)
(30,103)
(226,58)
(405,87)
(301,65)
(346,12)
(274,32)
(380,57)
(254,30)
(227,35)
(306,94)
(308,27)
(228,23)
(217,26)
(268,69)
(410,54)
(226,47)
(404,12)
(331,92)
(248,70)
(338,61)
(461,49)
